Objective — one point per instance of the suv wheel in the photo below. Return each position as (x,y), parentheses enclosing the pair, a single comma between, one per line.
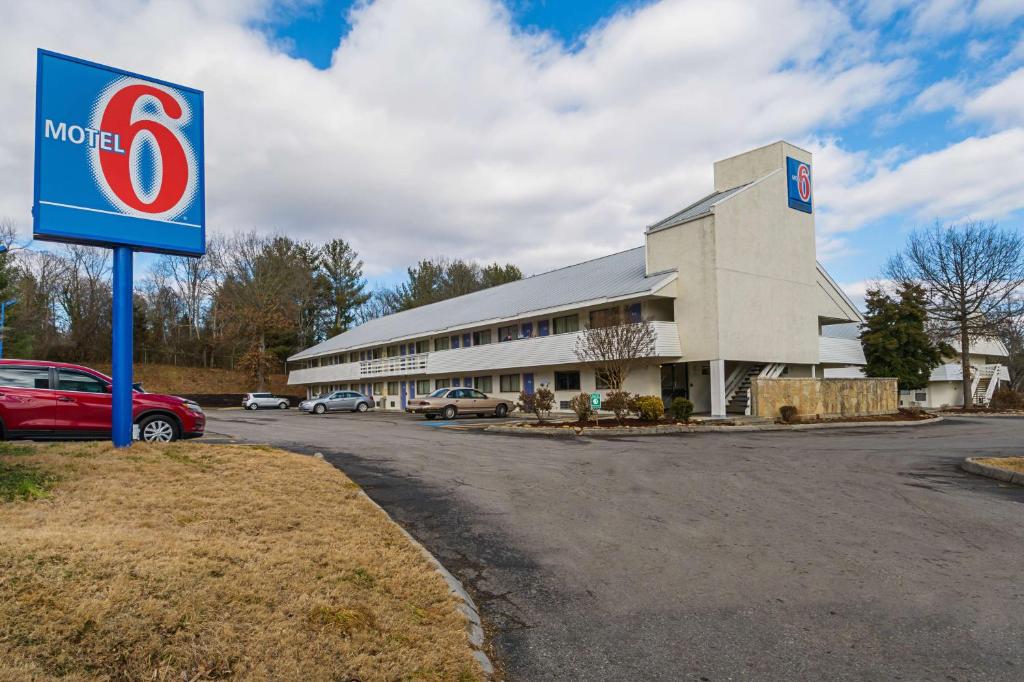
(158,429)
(362,407)
(450,412)
(282,405)
(252,406)
(319,408)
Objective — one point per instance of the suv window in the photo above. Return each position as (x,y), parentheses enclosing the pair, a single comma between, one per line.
(24,377)
(262,395)
(70,380)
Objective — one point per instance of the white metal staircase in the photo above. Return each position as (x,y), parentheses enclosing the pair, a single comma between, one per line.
(984,384)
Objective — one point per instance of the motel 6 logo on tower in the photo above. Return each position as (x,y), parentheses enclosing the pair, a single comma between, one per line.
(118,158)
(799,183)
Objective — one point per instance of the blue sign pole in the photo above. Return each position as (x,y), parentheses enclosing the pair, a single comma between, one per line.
(122,348)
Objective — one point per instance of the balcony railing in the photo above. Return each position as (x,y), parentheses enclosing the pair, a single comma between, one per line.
(538,351)
(396,366)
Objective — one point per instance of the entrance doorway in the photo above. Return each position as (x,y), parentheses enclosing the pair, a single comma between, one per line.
(675,382)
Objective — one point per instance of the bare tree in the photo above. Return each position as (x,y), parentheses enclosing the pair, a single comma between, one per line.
(1013,339)
(972,274)
(190,279)
(615,348)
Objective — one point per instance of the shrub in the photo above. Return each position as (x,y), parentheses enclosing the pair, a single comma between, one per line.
(1007,399)
(913,410)
(538,403)
(788,413)
(618,403)
(649,407)
(681,409)
(580,404)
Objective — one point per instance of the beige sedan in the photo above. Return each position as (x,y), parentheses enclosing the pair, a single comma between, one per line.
(449,402)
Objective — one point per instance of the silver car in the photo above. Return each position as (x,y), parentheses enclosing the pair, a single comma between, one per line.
(254,401)
(337,402)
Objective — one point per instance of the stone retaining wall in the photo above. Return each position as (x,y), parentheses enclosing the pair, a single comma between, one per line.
(824,397)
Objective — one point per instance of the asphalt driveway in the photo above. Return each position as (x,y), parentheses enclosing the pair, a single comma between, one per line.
(847,554)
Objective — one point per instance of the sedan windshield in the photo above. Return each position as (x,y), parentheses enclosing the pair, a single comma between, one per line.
(439,393)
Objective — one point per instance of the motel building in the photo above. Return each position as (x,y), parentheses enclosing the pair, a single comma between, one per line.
(730,283)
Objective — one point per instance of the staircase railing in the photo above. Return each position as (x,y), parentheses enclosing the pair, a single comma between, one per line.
(735,378)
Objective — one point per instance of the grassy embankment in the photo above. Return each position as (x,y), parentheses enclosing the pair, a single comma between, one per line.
(174,379)
(190,562)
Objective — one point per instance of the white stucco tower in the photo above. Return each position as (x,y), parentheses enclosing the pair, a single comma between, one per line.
(750,292)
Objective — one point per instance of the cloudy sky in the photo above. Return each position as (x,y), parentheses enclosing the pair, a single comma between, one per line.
(548,132)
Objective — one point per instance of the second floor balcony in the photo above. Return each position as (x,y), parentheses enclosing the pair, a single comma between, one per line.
(557,349)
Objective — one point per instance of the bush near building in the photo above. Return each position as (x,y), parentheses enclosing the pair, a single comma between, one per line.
(649,407)
(580,404)
(681,409)
(539,403)
(617,402)
(788,413)
(1007,399)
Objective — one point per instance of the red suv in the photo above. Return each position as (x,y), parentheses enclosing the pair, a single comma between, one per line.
(40,399)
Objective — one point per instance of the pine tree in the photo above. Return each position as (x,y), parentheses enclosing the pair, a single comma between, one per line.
(895,337)
(343,272)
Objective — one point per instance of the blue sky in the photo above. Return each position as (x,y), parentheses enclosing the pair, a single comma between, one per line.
(549,132)
(313,33)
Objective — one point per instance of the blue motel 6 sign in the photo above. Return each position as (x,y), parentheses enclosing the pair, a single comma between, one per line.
(119,163)
(119,158)
(798,180)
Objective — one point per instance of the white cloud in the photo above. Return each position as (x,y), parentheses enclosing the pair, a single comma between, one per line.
(1001,104)
(945,94)
(1003,11)
(441,128)
(980,177)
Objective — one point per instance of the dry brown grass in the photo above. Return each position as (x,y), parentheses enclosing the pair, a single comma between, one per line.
(1009,463)
(172,379)
(190,562)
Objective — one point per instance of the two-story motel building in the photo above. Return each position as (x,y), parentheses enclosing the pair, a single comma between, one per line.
(730,283)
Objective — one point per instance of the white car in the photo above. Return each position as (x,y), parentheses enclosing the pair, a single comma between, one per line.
(254,401)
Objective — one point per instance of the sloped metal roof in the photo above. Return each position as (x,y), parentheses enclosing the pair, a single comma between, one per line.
(694,210)
(616,276)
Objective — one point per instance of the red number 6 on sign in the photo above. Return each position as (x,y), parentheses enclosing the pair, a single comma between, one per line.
(156,176)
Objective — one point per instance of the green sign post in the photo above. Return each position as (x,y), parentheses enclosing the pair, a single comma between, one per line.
(595,401)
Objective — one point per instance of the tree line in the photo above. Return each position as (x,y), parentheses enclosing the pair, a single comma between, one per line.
(249,303)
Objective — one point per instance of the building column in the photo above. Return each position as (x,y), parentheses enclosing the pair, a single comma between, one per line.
(717,388)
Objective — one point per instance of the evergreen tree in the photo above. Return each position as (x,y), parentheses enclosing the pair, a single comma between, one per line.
(895,339)
(343,272)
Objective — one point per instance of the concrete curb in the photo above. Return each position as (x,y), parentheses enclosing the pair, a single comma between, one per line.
(985,415)
(557,432)
(474,626)
(971,465)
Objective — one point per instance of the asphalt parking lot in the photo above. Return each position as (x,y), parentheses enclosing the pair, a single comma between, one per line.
(838,554)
